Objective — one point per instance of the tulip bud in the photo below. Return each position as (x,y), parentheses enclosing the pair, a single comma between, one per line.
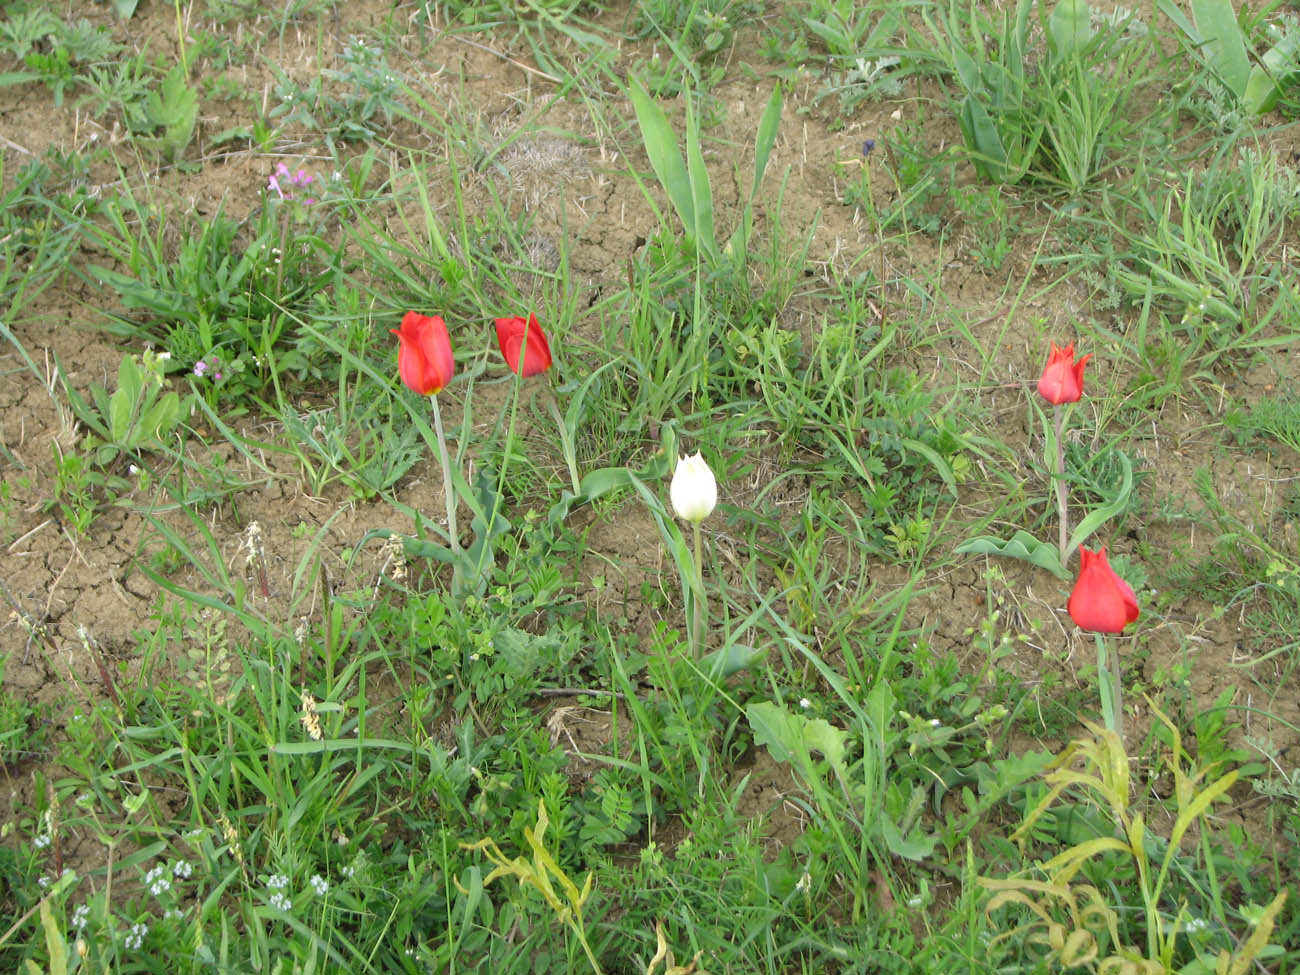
(1101,600)
(1062,379)
(694,490)
(523,345)
(424,358)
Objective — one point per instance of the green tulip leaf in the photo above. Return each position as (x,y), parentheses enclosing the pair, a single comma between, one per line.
(1277,70)
(1222,43)
(1070,28)
(1021,545)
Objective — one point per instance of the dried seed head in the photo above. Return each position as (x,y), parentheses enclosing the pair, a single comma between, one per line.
(310,717)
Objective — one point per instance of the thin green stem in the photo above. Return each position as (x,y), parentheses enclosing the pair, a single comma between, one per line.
(697,626)
(1062,508)
(591,956)
(448,485)
(1108,679)
(485,551)
(180,37)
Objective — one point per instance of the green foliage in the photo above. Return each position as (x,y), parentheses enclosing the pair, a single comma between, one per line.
(686,181)
(371,91)
(25,26)
(173,108)
(137,417)
(23,729)
(695,30)
(1271,417)
(54,51)
(1217,37)
(1205,266)
(1073,919)
(1052,113)
(404,754)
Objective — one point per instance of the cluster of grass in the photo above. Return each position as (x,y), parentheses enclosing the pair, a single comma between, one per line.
(388,771)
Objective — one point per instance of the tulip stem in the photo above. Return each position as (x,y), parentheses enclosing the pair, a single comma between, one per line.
(1108,679)
(697,625)
(1062,509)
(566,440)
(448,485)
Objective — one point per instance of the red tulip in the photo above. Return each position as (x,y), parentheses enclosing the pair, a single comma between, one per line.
(523,345)
(1062,379)
(424,359)
(1101,600)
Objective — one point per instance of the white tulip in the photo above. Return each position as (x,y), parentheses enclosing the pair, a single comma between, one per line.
(694,490)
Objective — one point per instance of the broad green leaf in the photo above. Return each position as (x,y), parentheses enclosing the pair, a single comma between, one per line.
(55,944)
(1222,43)
(730,660)
(1021,545)
(701,191)
(162,417)
(910,847)
(767,131)
(790,736)
(119,415)
(1278,69)
(1070,28)
(990,155)
(665,158)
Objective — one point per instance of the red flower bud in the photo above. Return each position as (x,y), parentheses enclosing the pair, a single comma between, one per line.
(424,359)
(523,345)
(1101,600)
(1062,379)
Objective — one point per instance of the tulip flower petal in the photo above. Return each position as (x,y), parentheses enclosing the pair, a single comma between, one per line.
(694,490)
(523,345)
(1062,379)
(424,357)
(1101,601)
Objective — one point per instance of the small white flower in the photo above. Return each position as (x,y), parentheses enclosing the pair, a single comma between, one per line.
(277,881)
(805,703)
(935,722)
(182,869)
(157,882)
(319,884)
(42,841)
(80,916)
(694,490)
(280,902)
(135,937)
